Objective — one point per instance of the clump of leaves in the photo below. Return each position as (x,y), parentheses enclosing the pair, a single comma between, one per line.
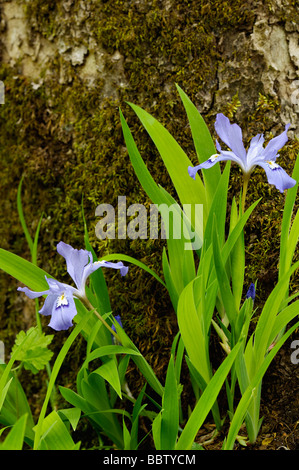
(34,353)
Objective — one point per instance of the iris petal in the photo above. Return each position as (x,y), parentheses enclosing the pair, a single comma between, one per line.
(31,294)
(255,149)
(277,176)
(275,144)
(231,135)
(50,301)
(76,260)
(210,162)
(105,264)
(63,313)
(60,303)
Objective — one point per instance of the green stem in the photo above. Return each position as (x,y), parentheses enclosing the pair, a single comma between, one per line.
(89,306)
(48,367)
(244,191)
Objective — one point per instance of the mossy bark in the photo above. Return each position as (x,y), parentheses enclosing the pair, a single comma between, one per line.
(69,65)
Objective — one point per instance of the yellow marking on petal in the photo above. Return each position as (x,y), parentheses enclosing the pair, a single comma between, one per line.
(272,165)
(214,157)
(61,300)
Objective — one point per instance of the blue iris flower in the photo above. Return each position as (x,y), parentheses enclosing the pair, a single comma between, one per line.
(251,292)
(59,302)
(118,319)
(257,154)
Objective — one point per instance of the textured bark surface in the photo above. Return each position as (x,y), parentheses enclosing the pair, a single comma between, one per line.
(254,48)
(67,67)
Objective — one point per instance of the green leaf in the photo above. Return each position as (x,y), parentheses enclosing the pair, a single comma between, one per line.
(237,259)
(192,329)
(223,281)
(147,182)
(56,368)
(157,194)
(31,243)
(156,430)
(170,409)
(96,408)
(287,249)
(137,410)
(126,436)
(206,402)
(140,361)
(34,353)
(55,435)
(72,415)
(4,392)
(247,396)
(130,259)
(217,212)
(110,349)
(175,160)
(23,271)
(236,232)
(108,370)
(22,218)
(267,318)
(283,318)
(16,405)
(171,288)
(203,143)
(15,439)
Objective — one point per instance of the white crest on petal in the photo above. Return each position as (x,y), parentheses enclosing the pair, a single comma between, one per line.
(214,157)
(61,301)
(273,165)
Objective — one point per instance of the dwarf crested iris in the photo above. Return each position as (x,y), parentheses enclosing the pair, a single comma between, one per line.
(118,319)
(59,302)
(257,154)
(251,292)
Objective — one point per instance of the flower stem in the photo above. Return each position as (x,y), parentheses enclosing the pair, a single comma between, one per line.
(88,305)
(244,192)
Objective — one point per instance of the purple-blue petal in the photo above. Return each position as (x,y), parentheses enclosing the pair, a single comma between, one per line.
(48,304)
(275,144)
(255,150)
(277,175)
(119,265)
(106,264)
(118,319)
(59,303)
(251,292)
(231,135)
(63,312)
(76,261)
(31,294)
(192,170)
